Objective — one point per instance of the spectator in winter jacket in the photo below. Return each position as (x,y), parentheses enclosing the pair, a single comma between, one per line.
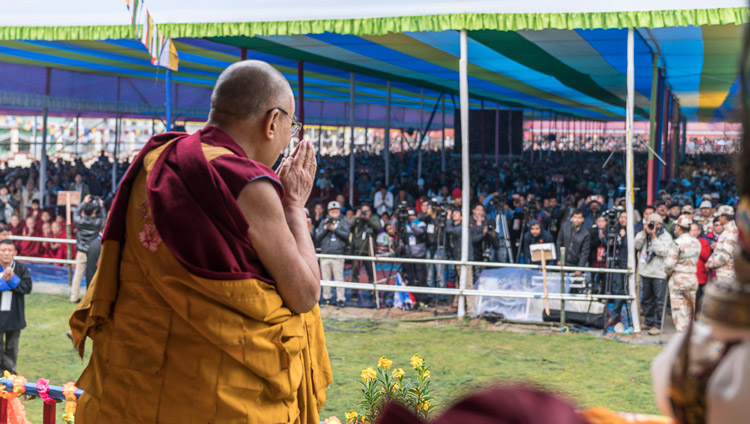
(576,240)
(332,236)
(535,235)
(652,245)
(15,282)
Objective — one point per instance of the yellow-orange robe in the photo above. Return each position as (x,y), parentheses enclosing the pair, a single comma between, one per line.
(172,347)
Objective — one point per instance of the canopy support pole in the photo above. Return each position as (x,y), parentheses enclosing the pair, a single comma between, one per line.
(442,126)
(243,53)
(497,135)
(351,139)
(168,83)
(118,129)
(421,129)
(481,128)
(78,117)
(463,84)
(43,152)
(510,132)
(387,136)
(630,193)
(301,97)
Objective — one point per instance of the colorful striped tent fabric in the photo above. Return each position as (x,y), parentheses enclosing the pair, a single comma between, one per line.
(562,61)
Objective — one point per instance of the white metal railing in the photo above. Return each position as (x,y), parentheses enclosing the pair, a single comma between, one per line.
(389,259)
(34,259)
(471,292)
(42,239)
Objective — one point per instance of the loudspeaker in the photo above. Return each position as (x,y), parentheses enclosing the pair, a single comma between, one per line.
(580,318)
(483,128)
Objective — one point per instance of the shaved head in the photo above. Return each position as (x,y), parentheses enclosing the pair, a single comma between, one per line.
(247,89)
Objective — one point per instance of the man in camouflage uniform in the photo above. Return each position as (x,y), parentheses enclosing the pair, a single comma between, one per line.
(705,218)
(722,260)
(681,266)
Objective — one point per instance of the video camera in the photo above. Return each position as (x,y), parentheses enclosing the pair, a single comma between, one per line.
(441,209)
(613,216)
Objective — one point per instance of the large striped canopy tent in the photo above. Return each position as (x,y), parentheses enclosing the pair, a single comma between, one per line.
(668,60)
(564,58)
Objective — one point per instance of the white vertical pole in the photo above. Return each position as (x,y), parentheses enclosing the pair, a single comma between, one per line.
(351,139)
(629,194)
(463,85)
(419,133)
(387,138)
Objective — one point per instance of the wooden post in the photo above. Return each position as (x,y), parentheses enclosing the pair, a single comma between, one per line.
(49,413)
(3,410)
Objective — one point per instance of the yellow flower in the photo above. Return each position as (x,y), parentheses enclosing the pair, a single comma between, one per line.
(384,362)
(419,407)
(426,405)
(426,374)
(382,390)
(351,416)
(368,374)
(396,386)
(416,361)
(398,373)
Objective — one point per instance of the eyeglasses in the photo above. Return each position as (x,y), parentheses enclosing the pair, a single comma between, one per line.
(296,125)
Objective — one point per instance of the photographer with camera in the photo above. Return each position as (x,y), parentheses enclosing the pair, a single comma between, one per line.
(486,245)
(618,283)
(365,226)
(89,218)
(435,216)
(333,237)
(535,235)
(652,245)
(412,232)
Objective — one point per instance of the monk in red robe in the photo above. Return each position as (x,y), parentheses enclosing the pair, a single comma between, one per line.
(204,305)
(26,247)
(56,250)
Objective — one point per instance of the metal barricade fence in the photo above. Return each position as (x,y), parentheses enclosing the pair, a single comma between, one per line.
(375,286)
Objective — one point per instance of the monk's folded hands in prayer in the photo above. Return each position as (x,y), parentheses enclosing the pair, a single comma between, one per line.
(279,231)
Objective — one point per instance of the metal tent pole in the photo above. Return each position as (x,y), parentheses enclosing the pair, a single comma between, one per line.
(43,152)
(118,129)
(442,126)
(510,132)
(421,128)
(77,135)
(168,84)
(497,134)
(481,128)
(387,136)
(351,139)
(301,97)
(463,84)
(630,194)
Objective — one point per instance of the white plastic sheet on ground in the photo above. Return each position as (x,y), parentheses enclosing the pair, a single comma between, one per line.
(527,281)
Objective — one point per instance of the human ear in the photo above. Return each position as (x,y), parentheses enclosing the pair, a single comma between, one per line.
(270,126)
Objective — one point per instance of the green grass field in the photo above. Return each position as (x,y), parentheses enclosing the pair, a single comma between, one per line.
(587,370)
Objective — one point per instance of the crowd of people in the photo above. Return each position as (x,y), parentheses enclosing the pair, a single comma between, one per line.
(563,198)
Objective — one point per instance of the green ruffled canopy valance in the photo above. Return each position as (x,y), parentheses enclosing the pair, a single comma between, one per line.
(379,26)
